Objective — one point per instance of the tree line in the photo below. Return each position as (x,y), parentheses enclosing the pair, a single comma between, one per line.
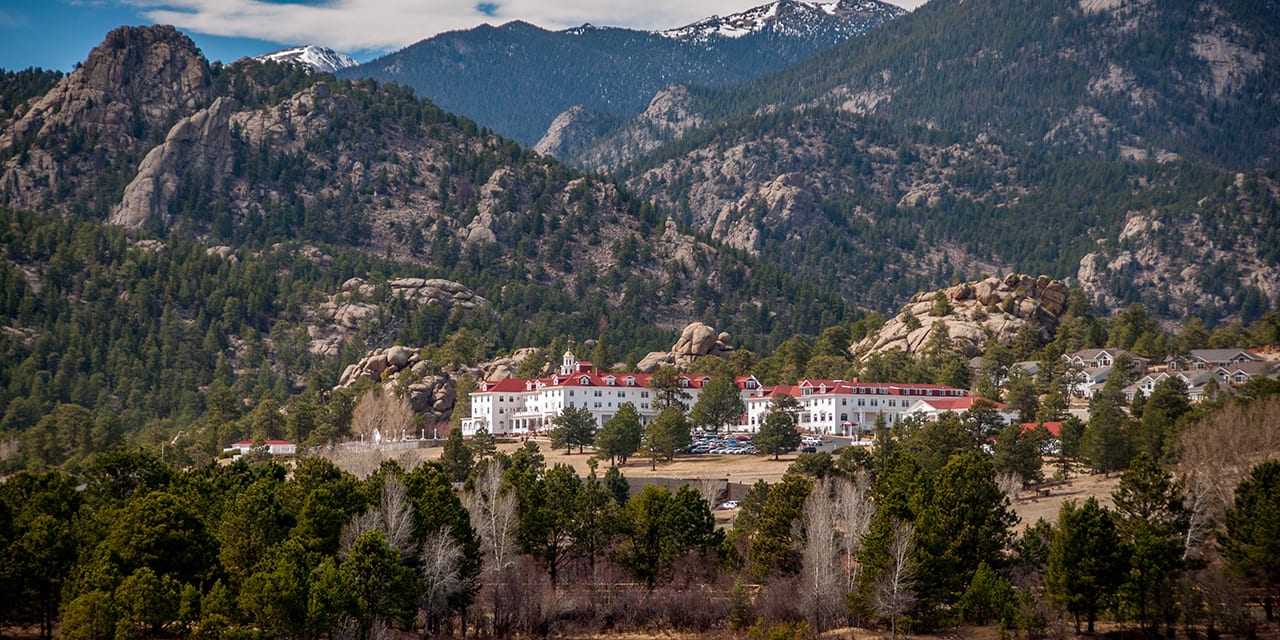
(914,534)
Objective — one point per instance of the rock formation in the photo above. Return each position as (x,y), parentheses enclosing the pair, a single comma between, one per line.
(572,131)
(202,140)
(131,85)
(972,312)
(339,318)
(695,341)
(430,389)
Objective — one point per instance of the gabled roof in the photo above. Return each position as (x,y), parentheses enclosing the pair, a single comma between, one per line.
(1221,355)
(1251,368)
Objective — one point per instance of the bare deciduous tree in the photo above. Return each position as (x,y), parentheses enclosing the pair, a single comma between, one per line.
(855,511)
(1222,447)
(1198,489)
(441,572)
(1009,483)
(710,489)
(492,507)
(821,597)
(381,415)
(393,517)
(894,593)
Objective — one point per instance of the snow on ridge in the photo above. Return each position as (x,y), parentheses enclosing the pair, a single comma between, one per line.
(804,16)
(318,58)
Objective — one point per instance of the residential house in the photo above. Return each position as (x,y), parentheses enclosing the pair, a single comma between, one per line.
(1089,369)
(1207,359)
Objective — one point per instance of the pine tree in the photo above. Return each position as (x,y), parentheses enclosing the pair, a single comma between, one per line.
(621,434)
(1252,529)
(777,434)
(575,427)
(1152,523)
(456,456)
(1086,563)
(718,406)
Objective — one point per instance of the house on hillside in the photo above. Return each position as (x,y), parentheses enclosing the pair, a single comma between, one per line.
(1089,369)
(1208,359)
(1104,359)
(1197,384)
(1201,382)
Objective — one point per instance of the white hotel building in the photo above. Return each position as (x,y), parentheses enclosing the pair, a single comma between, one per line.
(525,406)
(840,407)
(832,407)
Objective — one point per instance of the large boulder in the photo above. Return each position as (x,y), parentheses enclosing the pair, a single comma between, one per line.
(696,340)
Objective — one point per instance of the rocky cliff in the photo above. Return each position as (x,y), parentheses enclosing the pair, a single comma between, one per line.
(577,138)
(124,94)
(1219,252)
(973,313)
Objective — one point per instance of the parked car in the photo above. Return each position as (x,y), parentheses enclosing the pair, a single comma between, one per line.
(729,504)
(809,449)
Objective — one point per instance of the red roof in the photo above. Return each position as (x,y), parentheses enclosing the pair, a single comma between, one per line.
(957,404)
(250,443)
(867,388)
(1054,428)
(581,379)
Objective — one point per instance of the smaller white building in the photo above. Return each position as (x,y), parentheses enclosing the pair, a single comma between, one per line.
(273,447)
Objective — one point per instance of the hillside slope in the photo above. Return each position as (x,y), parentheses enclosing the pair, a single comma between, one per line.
(254,154)
(1118,78)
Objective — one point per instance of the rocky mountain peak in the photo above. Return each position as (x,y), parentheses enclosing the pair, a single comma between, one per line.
(791,17)
(314,57)
(572,131)
(972,313)
(134,80)
(125,92)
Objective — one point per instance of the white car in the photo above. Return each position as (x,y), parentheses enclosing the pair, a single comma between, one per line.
(730,504)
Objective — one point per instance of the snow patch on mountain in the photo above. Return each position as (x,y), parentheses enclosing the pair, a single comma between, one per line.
(318,58)
(788,17)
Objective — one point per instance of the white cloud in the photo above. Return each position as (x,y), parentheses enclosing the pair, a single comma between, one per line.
(361,25)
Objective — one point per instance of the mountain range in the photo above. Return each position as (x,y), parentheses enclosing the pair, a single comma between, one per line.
(1129,145)
(895,162)
(516,78)
(255,153)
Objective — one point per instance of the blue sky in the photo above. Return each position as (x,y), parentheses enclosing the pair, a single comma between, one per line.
(56,34)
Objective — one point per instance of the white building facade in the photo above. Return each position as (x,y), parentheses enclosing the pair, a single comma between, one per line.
(528,406)
(840,407)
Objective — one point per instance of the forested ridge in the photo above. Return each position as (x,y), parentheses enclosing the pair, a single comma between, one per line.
(1037,73)
(513,79)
